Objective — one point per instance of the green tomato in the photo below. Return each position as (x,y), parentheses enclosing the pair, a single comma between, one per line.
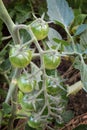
(34,123)
(51,61)
(27,104)
(25,84)
(52,87)
(40,29)
(20,57)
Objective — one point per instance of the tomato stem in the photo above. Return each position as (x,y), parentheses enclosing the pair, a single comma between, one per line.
(74,48)
(12,86)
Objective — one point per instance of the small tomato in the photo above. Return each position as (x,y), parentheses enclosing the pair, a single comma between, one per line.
(40,29)
(34,123)
(25,84)
(52,87)
(51,61)
(27,104)
(20,57)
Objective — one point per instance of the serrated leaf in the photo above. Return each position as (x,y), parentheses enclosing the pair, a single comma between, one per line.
(58,10)
(21,11)
(81,29)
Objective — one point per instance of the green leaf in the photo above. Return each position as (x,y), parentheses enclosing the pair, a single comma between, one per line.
(58,10)
(83,72)
(81,127)
(81,29)
(61,43)
(5,66)
(24,35)
(83,39)
(67,116)
(51,35)
(65,43)
(75,3)
(21,11)
(79,19)
(6,108)
(20,96)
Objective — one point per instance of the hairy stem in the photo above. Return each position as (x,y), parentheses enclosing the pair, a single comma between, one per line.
(11,87)
(74,48)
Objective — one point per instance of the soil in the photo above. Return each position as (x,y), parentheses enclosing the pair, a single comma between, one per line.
(76,103)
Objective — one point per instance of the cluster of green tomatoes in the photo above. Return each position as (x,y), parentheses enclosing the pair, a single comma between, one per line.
(20,57)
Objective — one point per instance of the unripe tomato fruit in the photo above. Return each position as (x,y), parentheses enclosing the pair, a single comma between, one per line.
(51,61)
(27,104)
(40,29)
(25,84)
(52,87)
(34,123)
(20,57)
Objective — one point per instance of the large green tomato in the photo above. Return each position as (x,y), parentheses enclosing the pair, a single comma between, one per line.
(27,104)
(40,29)
(52,87)
(34,123)
(25,84)
(20,57)
(51,61)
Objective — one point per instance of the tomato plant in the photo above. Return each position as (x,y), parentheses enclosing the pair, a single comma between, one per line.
(51,61)
(40,29)
(42,87)
(20,57)
(25,84)
(34,123)
(27,104)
